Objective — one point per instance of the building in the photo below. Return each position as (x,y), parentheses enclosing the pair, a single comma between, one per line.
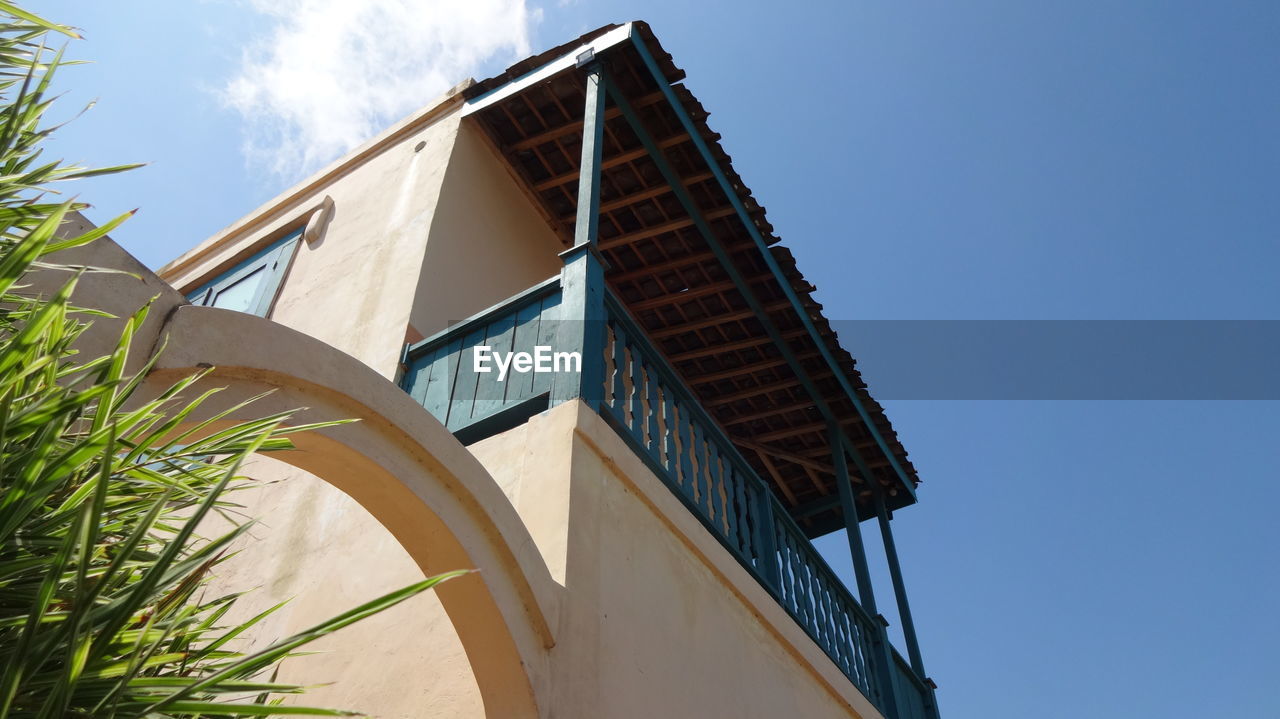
(640,512)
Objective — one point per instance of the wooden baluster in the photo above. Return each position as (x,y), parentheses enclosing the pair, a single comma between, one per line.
(846,641)
(741,534)
(815,591)
(833,630)
(686,451)
(700,470)
(620,373)
(859,662)
(671,459)
(786,582)
(636,371)
(716,478)
(824,615)
(654,439)
(765,527)
(799,580)
(608,399)
(742,513)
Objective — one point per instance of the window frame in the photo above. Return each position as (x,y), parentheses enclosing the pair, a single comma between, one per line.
(275,258)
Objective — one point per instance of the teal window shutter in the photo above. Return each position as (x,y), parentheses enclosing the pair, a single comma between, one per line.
(251,286)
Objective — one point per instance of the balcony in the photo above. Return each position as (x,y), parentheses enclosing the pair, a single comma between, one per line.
(629,381)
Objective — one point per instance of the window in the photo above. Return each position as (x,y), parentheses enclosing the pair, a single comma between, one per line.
(250,286)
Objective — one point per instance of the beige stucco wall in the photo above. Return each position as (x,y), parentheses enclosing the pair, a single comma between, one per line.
(487,240)
(353,288)
(658,619)
(319,551)
(428,227)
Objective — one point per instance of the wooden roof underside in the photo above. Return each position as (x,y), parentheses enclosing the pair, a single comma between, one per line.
(665,273)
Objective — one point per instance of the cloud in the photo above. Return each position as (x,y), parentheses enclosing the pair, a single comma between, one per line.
(328,74)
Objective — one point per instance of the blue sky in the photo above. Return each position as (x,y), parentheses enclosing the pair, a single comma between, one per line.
(926,160)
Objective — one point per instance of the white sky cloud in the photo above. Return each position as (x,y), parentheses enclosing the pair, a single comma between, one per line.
(326,75)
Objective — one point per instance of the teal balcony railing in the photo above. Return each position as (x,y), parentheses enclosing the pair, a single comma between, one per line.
(440,370)
(650,407)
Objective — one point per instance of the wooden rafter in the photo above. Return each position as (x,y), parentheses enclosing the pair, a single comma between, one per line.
(723,347)
(573,128)
(614,161)
(783,454)
(777,478)
(751,368)
(607,243)
(770,412)
(640,195)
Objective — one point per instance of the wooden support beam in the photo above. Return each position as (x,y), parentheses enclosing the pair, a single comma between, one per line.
(659,229)
(716,349)
(641,195)
(783,454)
(682,262)
(864,444)
(817,506)
(813,479)
(791,431)
(777,478)
(713,320)
(614,161)
(675,263)
(772,411)
(670,298)
(813,427)
(758,390)
(748,368)
(710,288)
(571,128)
(701,323)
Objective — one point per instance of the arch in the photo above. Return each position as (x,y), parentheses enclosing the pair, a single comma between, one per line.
(405,469)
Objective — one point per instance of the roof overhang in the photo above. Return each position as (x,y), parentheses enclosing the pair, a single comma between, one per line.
(711,286)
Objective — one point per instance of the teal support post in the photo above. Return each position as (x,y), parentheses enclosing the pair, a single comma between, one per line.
(587,228)
(767,542)
(582,313)
(899,587)
(895,574)
(581,326)
(904,607)
(883,658)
